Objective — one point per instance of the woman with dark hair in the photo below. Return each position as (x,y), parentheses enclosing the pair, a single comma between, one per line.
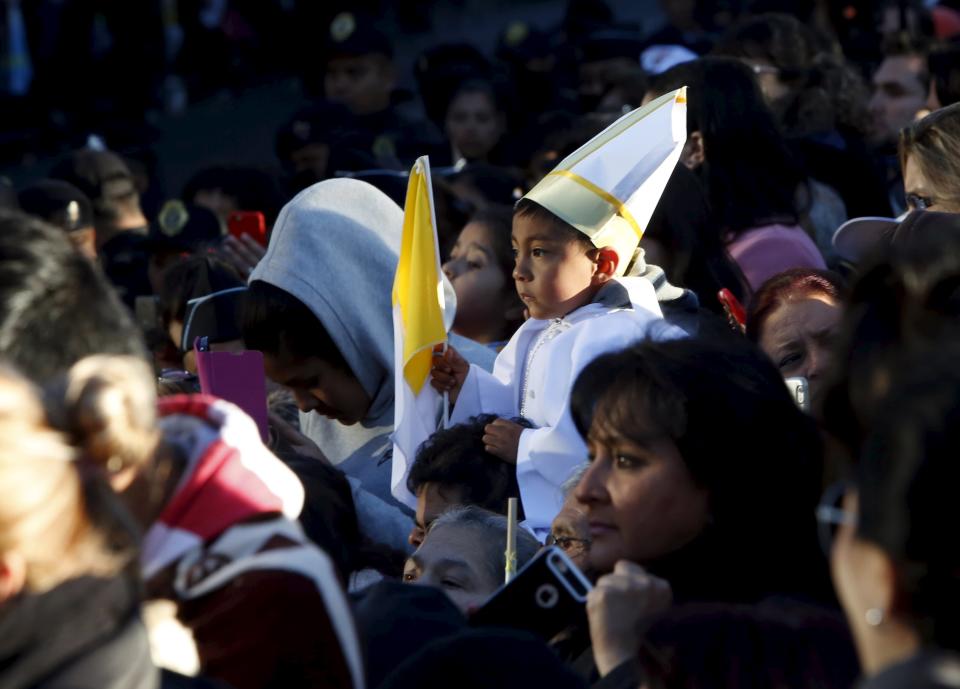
(680,239)
(751,179)
(474,122)
(819,101)
(703,478)
(794,318)
(896,574)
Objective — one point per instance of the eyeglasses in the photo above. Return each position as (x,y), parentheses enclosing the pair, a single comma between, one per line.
(831,515)
(569,544)
(760,68)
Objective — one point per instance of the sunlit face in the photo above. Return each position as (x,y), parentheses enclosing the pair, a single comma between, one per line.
(570,531)
(361,83)
(432,501)
(473,125)
(554,273)
(641,500)
(922,194)
(483,291)
(320,387)
(898,95)
(798,336)
(450,558)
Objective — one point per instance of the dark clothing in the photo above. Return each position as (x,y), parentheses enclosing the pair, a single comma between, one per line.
(927,670)
(845,165)
(83,634)
(125,259)
(396,620)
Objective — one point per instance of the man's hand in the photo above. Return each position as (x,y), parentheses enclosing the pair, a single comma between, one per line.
(448,372)
(620,608)
(501,438)
(243,254)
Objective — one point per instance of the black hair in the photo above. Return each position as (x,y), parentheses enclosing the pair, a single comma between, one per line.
(483,86)
(191,278)
(56,307)
(750,176)
(742,438)
(329,519)
(906,296)
(824,91)
(276,323)
(698,259)
(533,211)
(456,458)
(252,189)
(906,478)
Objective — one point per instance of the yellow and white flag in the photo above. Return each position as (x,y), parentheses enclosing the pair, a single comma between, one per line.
(418,326)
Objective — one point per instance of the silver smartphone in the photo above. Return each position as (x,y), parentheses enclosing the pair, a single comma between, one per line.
(799,388)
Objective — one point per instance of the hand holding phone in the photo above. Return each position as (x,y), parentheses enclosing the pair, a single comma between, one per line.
(236,377)
(546,597)
(250,223)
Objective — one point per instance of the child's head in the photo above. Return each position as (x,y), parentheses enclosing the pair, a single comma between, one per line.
(480,268)
(453,468)
(300,354)
(557,268)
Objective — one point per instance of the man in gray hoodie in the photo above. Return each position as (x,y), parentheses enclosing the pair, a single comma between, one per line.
(319,308)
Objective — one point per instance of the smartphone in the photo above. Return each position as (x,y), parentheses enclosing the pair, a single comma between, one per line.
(733,308)
(800,391)
(546,597)
(252,223)
(236,377)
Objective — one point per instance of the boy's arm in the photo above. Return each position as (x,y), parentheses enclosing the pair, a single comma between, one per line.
(482,393)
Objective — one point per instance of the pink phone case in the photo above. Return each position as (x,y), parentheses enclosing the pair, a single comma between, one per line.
(237,377)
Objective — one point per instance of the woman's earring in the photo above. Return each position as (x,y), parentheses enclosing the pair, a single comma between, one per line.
(874,617)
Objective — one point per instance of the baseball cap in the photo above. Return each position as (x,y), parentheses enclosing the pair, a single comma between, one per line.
(183,227)
(100,175)
(57,202)
(353,35)
(859,237)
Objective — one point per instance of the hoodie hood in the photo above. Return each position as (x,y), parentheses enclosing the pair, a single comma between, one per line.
(334,247)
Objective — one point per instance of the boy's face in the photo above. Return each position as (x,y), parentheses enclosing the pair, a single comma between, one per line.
(320,387)
(554,273)
(361,83)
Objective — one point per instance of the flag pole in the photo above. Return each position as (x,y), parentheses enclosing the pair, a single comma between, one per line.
(511,553)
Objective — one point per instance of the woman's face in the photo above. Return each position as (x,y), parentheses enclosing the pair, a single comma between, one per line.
(450,558)
(483,291)
(922,194)
(473,125)
(798,337)
(641,500)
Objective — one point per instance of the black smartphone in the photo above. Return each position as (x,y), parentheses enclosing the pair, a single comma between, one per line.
(545,597)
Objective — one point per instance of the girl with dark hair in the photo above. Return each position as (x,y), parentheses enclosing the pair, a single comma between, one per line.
(475,121)
(751,180)
(703,478)
(681,240)
(480,268)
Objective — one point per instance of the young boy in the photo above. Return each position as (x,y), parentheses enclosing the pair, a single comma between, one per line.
(573,241)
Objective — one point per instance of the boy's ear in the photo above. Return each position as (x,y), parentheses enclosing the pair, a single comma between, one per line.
(607,262)
(693,154)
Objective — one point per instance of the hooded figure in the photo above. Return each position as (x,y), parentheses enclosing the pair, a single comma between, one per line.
(335,249)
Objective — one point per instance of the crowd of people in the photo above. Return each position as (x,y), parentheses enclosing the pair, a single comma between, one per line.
(714,375)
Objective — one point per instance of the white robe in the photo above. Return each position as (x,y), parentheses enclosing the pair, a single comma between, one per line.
(625,311)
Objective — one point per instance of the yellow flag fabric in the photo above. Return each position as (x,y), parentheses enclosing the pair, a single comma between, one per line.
(417,290)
